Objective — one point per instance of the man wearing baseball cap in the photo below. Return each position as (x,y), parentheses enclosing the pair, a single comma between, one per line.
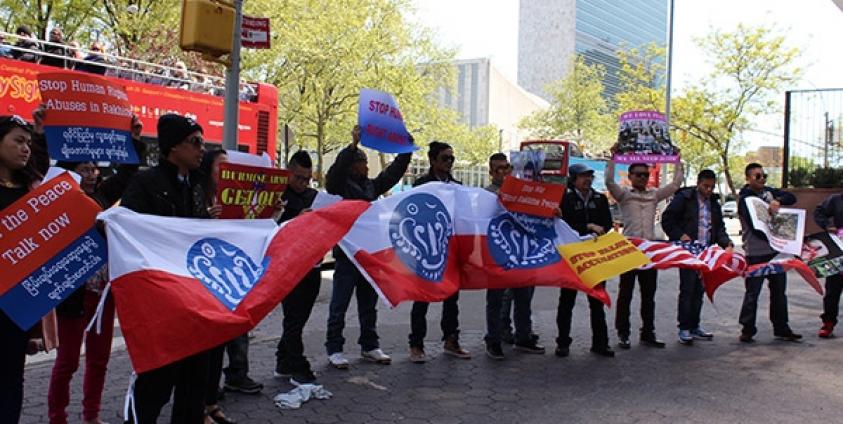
(173,188)
(587,212)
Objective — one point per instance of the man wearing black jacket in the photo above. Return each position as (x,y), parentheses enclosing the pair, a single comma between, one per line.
(290,359)
(694,215)
(587,212)
(349,177)
(173,188)
(829,216)
(441,157)
(758,250)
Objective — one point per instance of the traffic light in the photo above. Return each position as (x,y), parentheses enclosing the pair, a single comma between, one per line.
(207,26)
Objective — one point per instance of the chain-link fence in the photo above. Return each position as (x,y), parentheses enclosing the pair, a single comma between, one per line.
(813,140)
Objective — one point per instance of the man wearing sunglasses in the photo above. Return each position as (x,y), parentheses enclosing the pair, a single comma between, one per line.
(638,205)
(757,249)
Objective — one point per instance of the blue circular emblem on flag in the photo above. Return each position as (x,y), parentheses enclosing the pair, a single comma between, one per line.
(420,229)
(517,240)
(224,269)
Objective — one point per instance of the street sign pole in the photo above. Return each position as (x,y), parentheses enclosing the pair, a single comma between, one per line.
(232,84)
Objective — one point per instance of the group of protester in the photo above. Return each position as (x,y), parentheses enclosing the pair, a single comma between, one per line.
(183,185)
(58,52)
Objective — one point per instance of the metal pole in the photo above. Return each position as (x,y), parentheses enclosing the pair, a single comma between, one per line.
(232,84)
(826,141)
(786,146)
(669,65)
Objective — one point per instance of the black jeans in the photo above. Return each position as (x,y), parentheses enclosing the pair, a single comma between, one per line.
(691,292)
(831,300)
(188,377)
(599,330)
(238,359)
(297,307)
(647,285)
(347,279)
(215,360)
(521,298)
(450,323)
(778,304)
(12,361)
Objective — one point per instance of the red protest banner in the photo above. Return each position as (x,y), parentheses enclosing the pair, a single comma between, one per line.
(38,226)
(249,191)
(530,197)
(254,33)
(88,118)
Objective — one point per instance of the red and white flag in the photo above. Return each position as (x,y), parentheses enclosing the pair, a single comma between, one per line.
(183,286)
(429,242)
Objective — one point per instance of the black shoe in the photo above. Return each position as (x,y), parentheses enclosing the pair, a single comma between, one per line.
(746,338)
(282,371)
(530,347)
(788,336)
(623,342)
(534,337)
(494,351)
(245,385)
(562,351)
(652,342)
(507,337)
(603,351)
(302,377)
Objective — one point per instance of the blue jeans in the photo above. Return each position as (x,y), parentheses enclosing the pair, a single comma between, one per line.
(778,304)
(690,299)
(521,298)
(346,279)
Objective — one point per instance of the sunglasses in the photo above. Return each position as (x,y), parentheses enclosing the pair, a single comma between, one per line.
(761,176)
(447,158)
(196,141)
(17,121)
(640,174)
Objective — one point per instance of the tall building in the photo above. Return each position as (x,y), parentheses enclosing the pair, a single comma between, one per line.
(484,96)
(550,32)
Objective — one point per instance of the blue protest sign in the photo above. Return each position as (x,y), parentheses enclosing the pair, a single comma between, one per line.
(55,281)
(381,124)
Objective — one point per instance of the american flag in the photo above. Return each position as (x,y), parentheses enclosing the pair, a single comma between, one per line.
(678,254)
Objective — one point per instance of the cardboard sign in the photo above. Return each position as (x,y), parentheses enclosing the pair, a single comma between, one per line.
(254,33)
(88,118)
(249,192)
(530,197)
(602,258)
(381,124)
(48,248)
(644,137)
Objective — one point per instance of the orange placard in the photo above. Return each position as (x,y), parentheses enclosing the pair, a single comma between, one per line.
(531,197)
(40,225)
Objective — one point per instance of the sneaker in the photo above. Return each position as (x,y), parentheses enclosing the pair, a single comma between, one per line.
(282,371)
(700,333)
(530,347)
(788,336)
(376,356)
(562,351)
(507,337)
(417,355)
(245,385)
(452,347)
(685,337)
(623,342)
(302,377)
(603,351)
(826,332)
(494,351)
(652,341)
(338,361)
(746,338)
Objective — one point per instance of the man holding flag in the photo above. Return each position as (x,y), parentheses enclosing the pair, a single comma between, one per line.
(758,251)
(349,177)
(694,216)
(638,205)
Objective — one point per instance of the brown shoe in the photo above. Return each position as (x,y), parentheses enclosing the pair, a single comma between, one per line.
(452,347)
(417,355)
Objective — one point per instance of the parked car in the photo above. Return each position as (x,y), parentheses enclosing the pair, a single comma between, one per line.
(730,209)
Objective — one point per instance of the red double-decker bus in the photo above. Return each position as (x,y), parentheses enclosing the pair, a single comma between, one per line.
(258,117)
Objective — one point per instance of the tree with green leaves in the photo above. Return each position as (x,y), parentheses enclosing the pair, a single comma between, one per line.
(751,65)
(578,111)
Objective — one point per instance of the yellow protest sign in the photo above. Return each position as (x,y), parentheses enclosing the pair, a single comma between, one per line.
(602,258)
